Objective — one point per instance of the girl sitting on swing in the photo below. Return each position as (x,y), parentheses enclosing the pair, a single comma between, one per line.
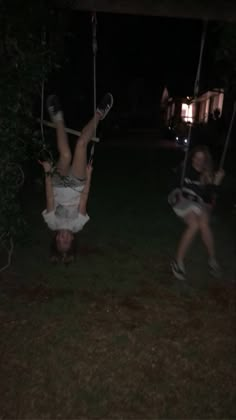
(67,187)
(193,203)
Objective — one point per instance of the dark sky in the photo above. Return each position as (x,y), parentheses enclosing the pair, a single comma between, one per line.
(132,51)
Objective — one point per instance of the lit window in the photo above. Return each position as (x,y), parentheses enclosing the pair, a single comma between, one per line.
(187,112)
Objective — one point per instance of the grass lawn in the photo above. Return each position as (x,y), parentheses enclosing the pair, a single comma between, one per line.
(115,336)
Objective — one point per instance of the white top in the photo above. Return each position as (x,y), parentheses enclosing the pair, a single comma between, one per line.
(66,211)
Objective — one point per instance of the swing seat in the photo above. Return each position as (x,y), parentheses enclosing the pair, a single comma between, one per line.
(174,197)
(184,201)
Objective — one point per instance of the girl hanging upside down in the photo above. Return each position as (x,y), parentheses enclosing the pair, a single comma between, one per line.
(193,203)
(67,185)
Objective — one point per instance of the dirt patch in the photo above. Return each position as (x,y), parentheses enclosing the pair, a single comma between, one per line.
(120,357)
(86,250)
(224,295)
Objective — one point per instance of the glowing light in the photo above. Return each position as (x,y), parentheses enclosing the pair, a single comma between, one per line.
(187,112)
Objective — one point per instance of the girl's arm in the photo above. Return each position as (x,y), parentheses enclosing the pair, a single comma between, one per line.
(48,185)
(213,189)
(85,193)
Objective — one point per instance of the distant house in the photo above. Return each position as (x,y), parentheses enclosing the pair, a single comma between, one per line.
(176,108)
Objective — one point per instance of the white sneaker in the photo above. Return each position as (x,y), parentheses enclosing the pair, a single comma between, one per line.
(178,271)
(214,268)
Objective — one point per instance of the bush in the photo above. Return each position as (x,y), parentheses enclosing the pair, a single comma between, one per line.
(26,59)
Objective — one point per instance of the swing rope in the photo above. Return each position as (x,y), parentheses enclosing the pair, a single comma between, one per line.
(195,95)
(42,113)
(43,43)
(69,130)
(94,48)
(44,148)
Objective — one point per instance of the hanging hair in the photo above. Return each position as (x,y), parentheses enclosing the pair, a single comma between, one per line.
(57,256)
(207,174)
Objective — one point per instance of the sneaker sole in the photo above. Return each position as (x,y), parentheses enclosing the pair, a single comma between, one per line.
(108,109)
(178,276)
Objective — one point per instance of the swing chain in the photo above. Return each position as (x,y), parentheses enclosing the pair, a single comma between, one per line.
(222,160)
(197,80)
(196,92)
(94,33)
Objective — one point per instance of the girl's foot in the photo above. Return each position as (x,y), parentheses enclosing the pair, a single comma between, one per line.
(178,270)
(214,268)
(54,108)
(105,105)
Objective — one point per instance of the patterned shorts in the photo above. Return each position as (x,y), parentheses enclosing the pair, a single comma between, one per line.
(69,181)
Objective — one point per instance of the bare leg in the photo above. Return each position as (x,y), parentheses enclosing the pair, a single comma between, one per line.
(206,234)
(192,227)
(79,162)
(64,161)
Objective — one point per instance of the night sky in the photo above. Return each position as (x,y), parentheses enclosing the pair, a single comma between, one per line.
(134,53)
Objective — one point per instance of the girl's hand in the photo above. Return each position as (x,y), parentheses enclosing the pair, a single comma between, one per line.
(47,166)
(219,175)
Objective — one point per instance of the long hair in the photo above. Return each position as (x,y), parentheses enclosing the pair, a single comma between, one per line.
(207,174)
(66,257)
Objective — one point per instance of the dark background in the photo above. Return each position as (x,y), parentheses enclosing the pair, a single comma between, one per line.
(137,57)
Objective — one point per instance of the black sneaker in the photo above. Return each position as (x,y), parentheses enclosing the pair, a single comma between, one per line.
(53,106)
(105,105)
(178,272)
